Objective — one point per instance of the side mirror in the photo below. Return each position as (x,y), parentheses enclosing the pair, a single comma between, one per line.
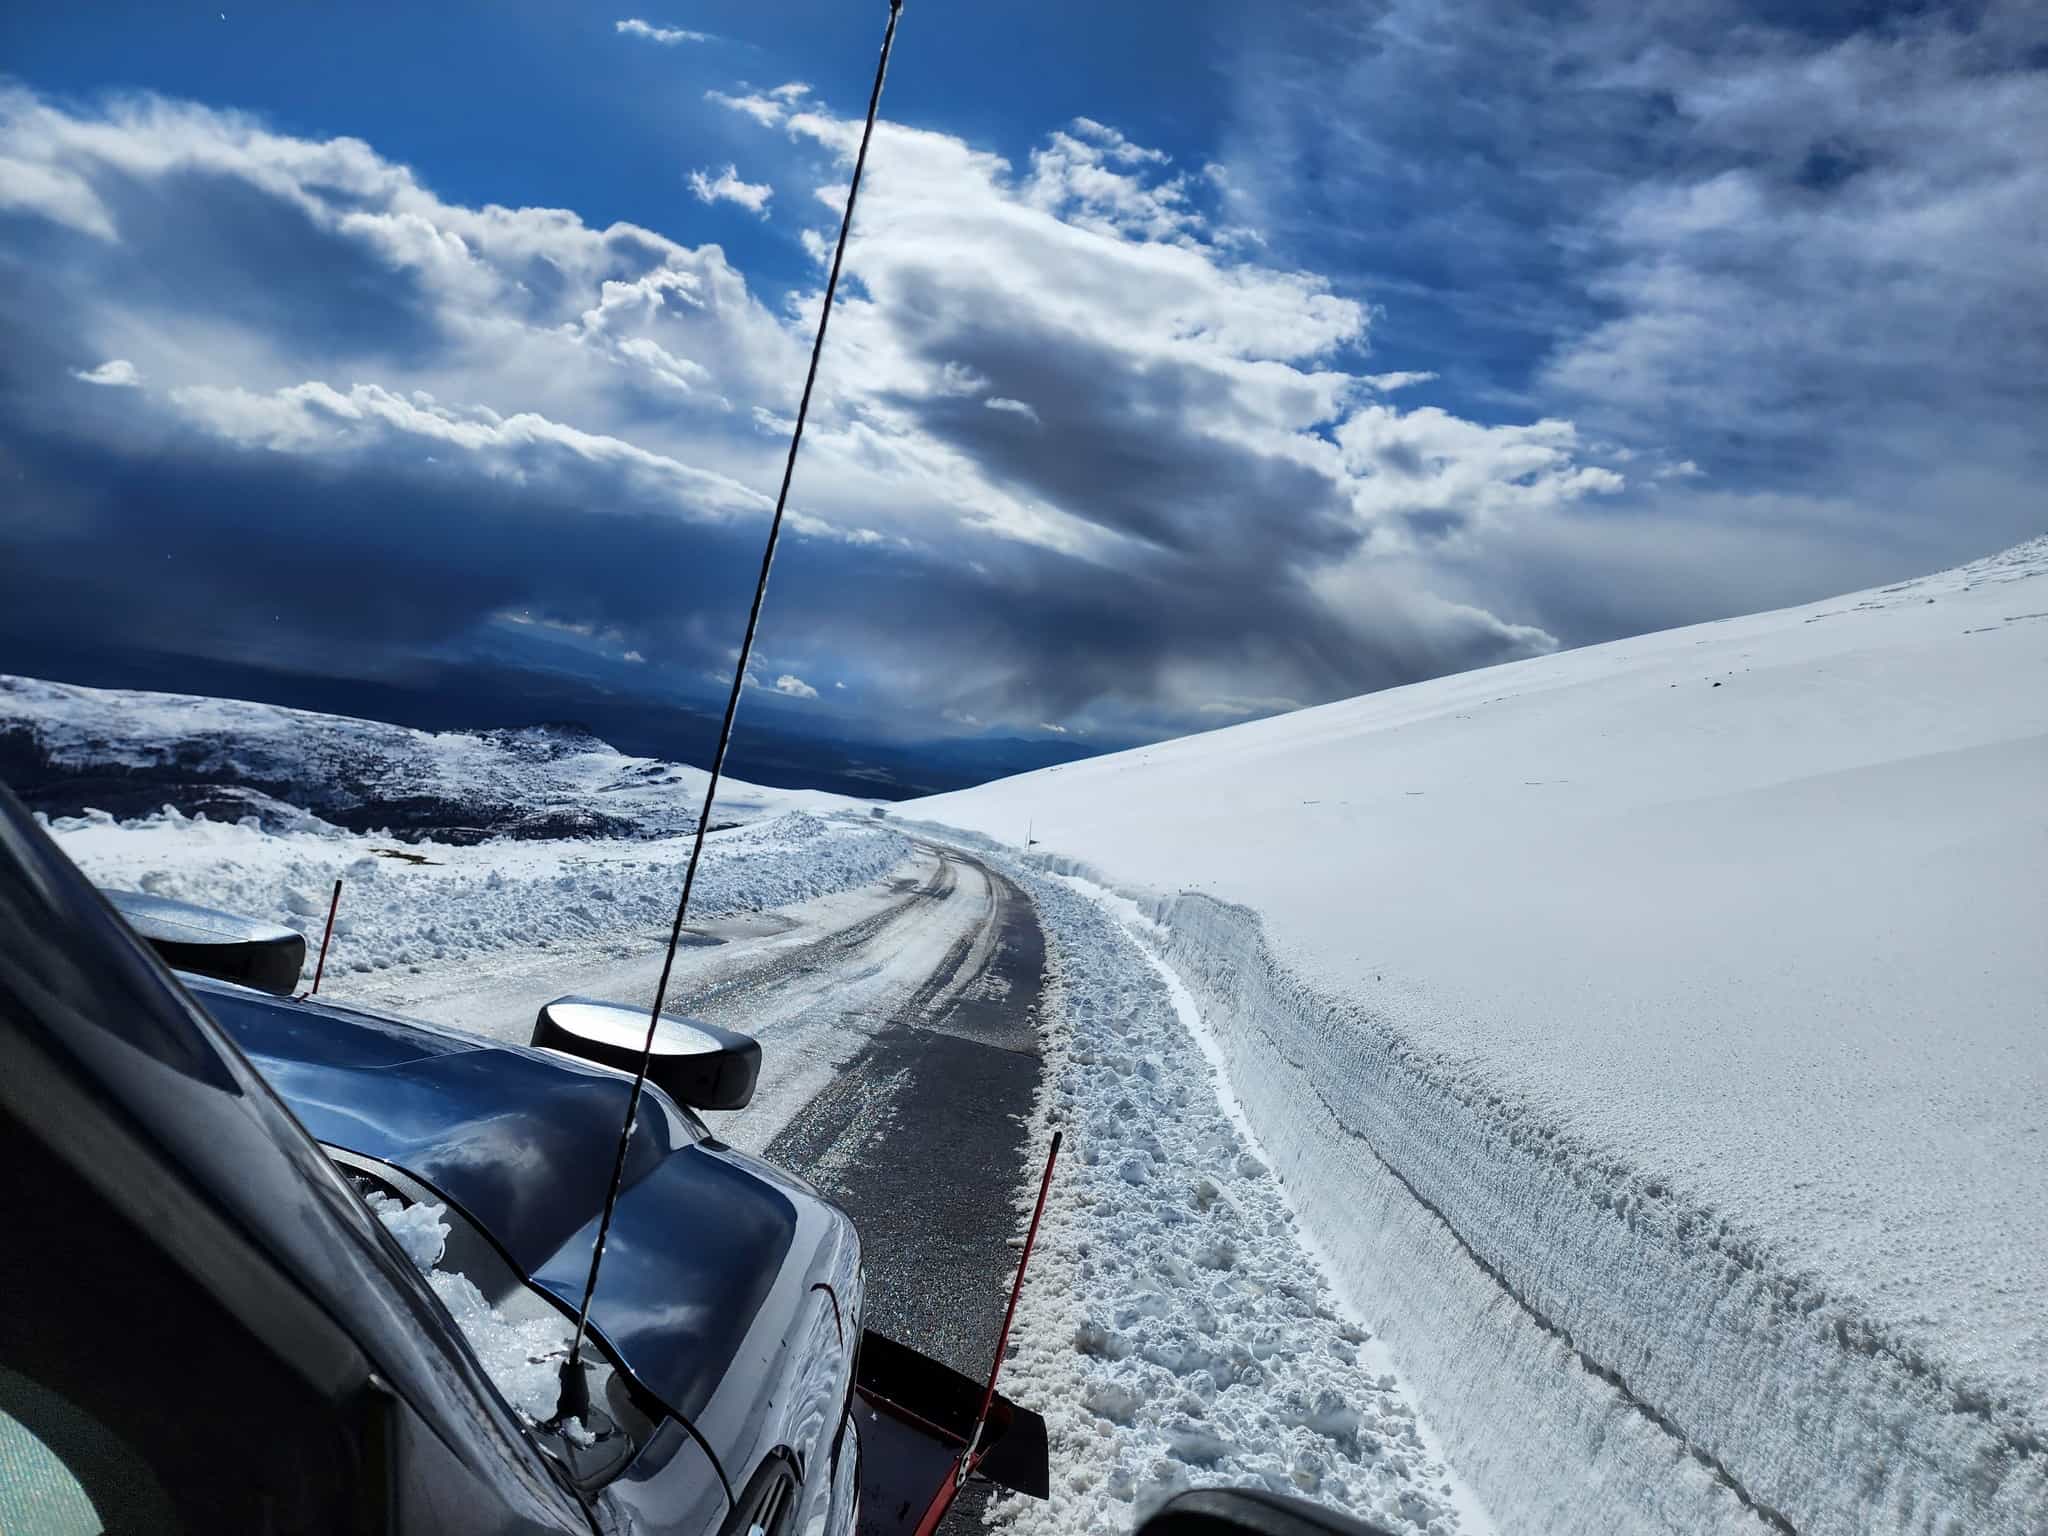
(246,950)
(1250,1512)
(694,1063)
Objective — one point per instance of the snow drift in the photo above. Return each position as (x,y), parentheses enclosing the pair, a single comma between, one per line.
(1653,1036)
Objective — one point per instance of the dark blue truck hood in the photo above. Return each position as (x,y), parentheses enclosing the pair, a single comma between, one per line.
(700,1253)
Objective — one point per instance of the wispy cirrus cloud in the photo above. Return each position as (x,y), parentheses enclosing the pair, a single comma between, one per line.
(667,36)
(115,372)
(1788,264)
(768,108)
(1387,383)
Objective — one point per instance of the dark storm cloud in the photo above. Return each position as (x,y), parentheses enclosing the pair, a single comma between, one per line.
(1047,636)
(314,295)
(247,555)
(1127,447)
(351,568)
(1228,535)
(215,252)
(364,424)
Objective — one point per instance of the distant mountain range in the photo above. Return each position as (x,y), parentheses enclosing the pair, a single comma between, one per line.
(481,695)
(66,750)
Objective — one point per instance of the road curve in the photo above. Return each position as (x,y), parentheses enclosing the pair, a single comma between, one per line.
(898,1026)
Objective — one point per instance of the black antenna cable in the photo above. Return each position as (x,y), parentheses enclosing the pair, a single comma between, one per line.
(575,1397)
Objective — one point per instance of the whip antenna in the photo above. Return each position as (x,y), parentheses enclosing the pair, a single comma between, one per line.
(575,1393)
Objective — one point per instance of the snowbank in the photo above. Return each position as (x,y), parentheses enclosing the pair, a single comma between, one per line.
(1654,1036)
(399,912)
(1174,1332)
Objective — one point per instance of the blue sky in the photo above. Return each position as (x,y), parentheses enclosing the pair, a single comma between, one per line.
(1196,362)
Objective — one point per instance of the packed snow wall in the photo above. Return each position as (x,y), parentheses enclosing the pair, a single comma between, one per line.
(1597,1352)
(1653,1034)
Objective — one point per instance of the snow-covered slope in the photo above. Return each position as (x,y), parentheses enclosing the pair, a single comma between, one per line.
(544,837)
(122,750)
(1656,1035)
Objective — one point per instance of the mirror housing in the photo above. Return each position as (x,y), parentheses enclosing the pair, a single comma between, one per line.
(694,1063)
(1250,1512)
(244,950)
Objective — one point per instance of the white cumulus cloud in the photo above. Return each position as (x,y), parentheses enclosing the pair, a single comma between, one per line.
(1201,442)
(726,187)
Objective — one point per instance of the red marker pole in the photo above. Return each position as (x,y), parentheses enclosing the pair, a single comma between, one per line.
(970,1454)
(1017,1286)
(320,966)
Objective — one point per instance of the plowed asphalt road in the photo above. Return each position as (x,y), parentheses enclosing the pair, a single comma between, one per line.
(899,1034)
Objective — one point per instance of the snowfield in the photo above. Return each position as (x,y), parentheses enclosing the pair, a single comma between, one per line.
(412,906)
(1654,1037)
(456,844)
(1606,1092)
(128,751)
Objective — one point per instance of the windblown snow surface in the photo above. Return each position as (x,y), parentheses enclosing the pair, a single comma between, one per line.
(1653,1039)
(398,913)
